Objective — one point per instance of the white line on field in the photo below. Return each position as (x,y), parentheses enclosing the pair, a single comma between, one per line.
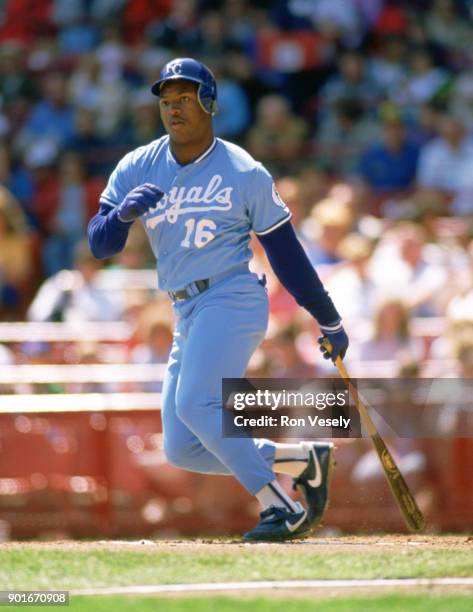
(277,584)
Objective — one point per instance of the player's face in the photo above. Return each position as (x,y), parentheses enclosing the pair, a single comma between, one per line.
(184,119)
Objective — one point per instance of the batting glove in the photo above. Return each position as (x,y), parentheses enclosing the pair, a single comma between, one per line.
(138,201)
(338,339)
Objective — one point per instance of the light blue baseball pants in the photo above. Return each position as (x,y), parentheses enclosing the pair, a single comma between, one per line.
(216,333)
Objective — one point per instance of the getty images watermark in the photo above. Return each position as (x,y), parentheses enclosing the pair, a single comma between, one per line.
(274,400)
(288,408)
(323,408)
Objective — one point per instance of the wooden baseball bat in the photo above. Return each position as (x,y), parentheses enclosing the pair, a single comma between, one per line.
(411,514)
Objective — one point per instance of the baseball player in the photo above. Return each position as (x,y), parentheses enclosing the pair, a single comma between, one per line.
(199,197)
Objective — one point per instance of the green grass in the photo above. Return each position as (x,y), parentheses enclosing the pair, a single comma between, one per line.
(396,603)
(48,568)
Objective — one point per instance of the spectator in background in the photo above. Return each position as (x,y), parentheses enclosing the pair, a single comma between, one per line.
(391,338)
(104,11)
(390,165)
(145,123)
(446,28)
(424,82)
(242,69)
(42,56)
(64,12)
(460,306)
(75,295)
(462,203)
(340,19)
(77,36)
(458,331)
(424,126)
(353,81)
(446,163)
(337,19)
(330,222)
(240,23)
(41,162)
(284,357)
(180,29)
(153,323)
(233,116)
(154,350)
(76,202)
(147,63)
(462,98)
(343,135)
(214,42)
(17,88)
(89,88)
(87,143)
(464,355)
(278,135)
(314,182)
(14,176)
(112,53)
(15,256)
(136,16)
(52,118)
(387,64)
(410,267)
(417,36)
(351,283)
(5,126)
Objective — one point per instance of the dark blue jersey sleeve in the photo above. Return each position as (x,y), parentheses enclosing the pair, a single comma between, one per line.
(107,234)
(293,268)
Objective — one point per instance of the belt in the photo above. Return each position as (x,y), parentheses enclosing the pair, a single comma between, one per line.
(199,286)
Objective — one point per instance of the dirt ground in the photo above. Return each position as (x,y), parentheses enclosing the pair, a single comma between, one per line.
(349,542)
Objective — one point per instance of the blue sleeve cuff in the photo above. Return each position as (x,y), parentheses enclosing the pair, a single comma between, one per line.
(117,221)
(107,234)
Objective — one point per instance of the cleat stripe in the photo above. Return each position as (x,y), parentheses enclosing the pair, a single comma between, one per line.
(285,501)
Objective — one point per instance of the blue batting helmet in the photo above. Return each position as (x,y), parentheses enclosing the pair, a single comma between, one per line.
(191,70)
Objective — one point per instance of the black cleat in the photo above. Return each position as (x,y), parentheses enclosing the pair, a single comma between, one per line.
(278,524)
(315,480)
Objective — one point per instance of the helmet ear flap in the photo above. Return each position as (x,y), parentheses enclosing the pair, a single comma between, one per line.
(206,99)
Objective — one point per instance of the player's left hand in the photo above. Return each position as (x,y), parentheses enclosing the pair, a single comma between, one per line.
(338,340)
(139,201)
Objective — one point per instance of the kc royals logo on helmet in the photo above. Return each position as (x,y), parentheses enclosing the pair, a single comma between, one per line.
(175,67)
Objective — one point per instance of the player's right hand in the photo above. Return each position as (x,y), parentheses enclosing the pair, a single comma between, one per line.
(138,201)
(338,340)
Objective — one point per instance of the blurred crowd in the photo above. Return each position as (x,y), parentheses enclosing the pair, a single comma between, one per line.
(362,110)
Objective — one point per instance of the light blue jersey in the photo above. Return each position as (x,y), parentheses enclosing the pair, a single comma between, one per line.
(201,227)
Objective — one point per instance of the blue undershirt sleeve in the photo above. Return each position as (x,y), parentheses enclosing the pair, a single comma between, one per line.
(107,234)
(293,268)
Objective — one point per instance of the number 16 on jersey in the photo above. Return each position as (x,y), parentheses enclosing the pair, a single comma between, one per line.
(198,234)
